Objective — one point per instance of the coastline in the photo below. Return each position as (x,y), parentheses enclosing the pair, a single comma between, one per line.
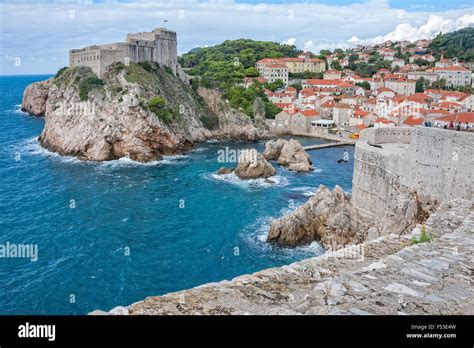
(390,276)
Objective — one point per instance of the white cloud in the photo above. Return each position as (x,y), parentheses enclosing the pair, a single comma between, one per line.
(353,39)
(51,32)
(429,30)
(291,41)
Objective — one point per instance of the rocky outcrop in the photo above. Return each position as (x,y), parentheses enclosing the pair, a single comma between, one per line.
(252,165)
(35,97)
(325,215)
(273,149)
(330,218)
(288,153)
(231,123)
(294,157)
(117,117)
(386,276)
(224,170)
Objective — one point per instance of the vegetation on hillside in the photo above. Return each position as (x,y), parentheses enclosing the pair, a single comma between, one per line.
(459,44)
(225,66)
(158,106)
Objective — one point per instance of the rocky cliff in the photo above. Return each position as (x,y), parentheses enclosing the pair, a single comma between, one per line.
(234,124)
(138,111)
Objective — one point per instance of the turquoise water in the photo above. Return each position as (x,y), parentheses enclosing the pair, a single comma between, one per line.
(136,230)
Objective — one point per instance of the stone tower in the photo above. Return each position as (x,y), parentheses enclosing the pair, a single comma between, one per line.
(159,45)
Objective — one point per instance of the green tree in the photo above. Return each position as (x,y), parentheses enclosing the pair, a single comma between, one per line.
(251,72)
(336,65)
(365,85)
(273,86)
(421,85)
(297,86)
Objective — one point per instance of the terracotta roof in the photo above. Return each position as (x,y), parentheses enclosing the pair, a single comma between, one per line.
(462,117)
(383,120)
(361,113)
(328,104)
(323,82)
(413,121)
(420,98)
(447,105)
(310,113)
(452,68)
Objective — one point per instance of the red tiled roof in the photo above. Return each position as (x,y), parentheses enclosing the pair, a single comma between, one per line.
(383,120)
(452,68)
(323,82)
(447,105)
(413,121)
(328,104)
(310,113)
(462,117)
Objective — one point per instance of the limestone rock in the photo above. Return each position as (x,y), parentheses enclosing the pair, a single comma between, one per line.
(111,120)
(273,149)
(322,218)
(231,123)
(253,165)
(224,170)
(294,157)
(35,97)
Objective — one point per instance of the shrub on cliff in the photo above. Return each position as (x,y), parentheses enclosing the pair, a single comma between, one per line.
(157,105)
(425,237)
(146,65)
(60,71)
(88,84)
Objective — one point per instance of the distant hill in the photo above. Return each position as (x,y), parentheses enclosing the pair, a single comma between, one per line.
(458,44)
(231,61)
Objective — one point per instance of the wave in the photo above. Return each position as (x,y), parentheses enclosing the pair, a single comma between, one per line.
(255,235)
(232,178)
(33,147)
(305,190)
(17,110)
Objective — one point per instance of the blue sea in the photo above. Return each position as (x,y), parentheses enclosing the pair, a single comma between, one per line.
(113,233)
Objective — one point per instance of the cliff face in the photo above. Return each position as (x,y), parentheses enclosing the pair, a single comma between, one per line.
(233,124)
(138,111)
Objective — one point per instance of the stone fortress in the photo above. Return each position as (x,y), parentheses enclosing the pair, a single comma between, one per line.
(159,45)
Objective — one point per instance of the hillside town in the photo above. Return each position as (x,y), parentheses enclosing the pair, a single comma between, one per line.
(404,85)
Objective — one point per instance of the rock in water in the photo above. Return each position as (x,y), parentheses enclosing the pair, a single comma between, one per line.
(252,165)
(224,170)
(273,149)
(319,219)
(294,157)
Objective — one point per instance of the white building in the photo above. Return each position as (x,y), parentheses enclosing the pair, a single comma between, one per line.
(454,75)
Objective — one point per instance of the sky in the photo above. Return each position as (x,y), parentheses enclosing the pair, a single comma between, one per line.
(35,36)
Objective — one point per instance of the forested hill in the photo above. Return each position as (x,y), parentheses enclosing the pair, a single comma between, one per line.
(231,61)
(459,44)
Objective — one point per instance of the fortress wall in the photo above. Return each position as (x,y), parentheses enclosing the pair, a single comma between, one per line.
(167,53)
(437,164)
(159,45)
(110,56)
(400,135)
(440,163)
